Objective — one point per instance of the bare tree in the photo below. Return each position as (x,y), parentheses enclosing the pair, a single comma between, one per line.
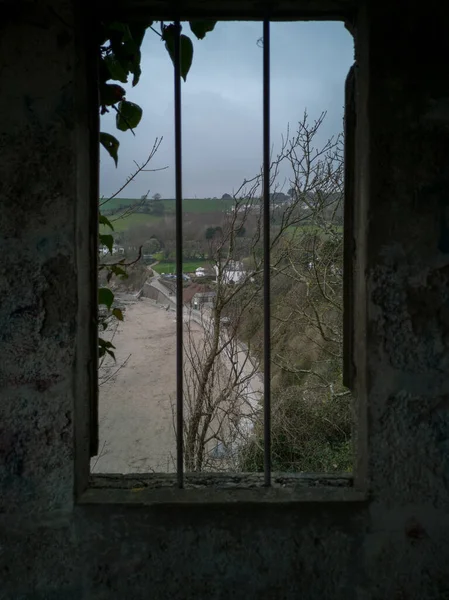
(312,255)
(311,417)
(140,168)
(220,401)
(305,260)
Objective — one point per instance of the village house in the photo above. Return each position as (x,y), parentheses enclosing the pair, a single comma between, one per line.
(103,250)
(203,299)
(233,272)
(193,290)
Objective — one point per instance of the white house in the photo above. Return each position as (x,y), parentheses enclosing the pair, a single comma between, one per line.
(233,272)
(115,250)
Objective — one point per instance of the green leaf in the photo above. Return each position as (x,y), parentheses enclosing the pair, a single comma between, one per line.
(130,56)
(117,33)
(128,115)
(200,28)
(107,240)
(105,347)
(138,31)
(108,345)
(116,68)
(118,314)
(111,144)
(136,71)
(105,221)
(186,49)
(106,297)
(111,93)
(119,271)
(115,270)
(105,344)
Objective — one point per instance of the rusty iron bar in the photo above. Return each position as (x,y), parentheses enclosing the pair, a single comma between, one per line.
(266,253)
(179,303)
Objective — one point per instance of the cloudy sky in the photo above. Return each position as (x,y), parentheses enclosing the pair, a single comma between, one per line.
(222,105)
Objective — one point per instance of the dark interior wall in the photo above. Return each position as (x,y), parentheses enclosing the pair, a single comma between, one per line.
(395,546)
(38,306)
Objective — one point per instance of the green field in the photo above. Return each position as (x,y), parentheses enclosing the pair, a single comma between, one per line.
(129,221)
(192,205)
(188,266)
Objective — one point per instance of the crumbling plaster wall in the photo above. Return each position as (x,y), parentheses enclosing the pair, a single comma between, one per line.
(394,546)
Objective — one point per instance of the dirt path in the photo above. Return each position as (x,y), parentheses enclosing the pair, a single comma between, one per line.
(138,391)
(136,426)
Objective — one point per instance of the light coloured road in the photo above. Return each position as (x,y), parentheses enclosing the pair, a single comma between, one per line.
(156,283)
(252,386)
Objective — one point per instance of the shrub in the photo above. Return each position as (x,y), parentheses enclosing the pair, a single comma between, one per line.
(309,434)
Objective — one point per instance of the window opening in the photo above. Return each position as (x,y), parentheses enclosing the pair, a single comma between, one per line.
(307,208)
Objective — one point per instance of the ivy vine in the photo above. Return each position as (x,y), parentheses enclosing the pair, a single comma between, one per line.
(119,61)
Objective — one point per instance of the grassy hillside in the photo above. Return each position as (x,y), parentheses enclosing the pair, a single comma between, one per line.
(193,205)
(200,205)
(130,221)
(190,205)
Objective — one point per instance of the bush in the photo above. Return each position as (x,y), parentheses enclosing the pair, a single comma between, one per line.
(309,434)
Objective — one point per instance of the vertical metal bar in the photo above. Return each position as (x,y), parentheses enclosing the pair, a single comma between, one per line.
(266,252)
(179,305)
(348,228)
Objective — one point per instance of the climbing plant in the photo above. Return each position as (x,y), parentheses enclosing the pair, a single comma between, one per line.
(119,62)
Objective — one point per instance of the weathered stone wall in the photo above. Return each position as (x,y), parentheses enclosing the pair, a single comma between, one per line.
(394,546)
(38,303)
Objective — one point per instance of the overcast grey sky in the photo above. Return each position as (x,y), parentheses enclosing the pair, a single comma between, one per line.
(222,104)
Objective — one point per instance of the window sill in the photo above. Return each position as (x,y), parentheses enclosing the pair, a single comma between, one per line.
(151,489)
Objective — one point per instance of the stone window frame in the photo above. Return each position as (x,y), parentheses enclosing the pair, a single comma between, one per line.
(149,489)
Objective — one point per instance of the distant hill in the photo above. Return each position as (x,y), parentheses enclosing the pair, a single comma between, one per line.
(193,205)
